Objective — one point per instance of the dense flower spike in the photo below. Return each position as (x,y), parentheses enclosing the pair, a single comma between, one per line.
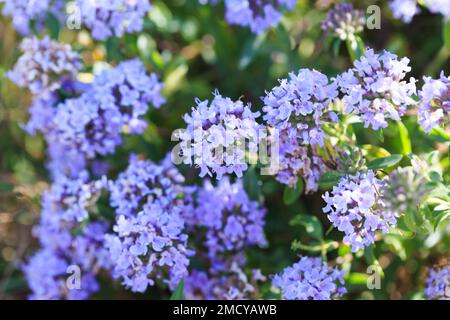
(113,18)
(259,15)
(344,22)
(217,136)
(223,282)
(299,108)
(375,88)
(438,283)
(148,244)
(434,107)
(44,65)
(404,9)
(356,207)
(233,221)
(310,279)
(26,12)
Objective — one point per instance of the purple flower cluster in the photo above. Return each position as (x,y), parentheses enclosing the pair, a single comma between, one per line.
(113,18)
(344,22)
(36,11)
(310,279)
(438,283)
(375,88)
(223,281)
(148,243)
(439,6)
(44,65)
(258,15)
(217,136)
(233,222)
(300,109)
(115,103)
(434,107)
(357,208)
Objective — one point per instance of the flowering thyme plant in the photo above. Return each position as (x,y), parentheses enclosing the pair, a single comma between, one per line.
(229,149)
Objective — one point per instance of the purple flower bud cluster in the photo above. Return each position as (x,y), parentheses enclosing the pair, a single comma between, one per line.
(44,65)
(258,15)
(310,279)
(344,22)
(356,207)
(375,88)
(434,107)
(113,18)
(300,108)
(223,282)
(438,283)
(148,243)
(23,13)
(233,222)
(217,136)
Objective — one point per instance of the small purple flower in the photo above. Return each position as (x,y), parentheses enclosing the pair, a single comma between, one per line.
(375,88)
(357,208)
(310,279)
(434,107)
(438,283)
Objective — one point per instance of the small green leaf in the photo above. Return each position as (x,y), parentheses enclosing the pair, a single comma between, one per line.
(386,162)
(312,225)
(446,34)
(178,293)
(404,138)
(357,278)
(52,24)
(290,195)
(330,179)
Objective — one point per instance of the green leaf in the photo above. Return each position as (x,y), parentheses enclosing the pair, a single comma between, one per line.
(252,185)
(404,138)
(251,48)
(178,293)
(290,195)
(446,34)
(357,278)
(380,134)
(52,24)
(386,162)
(312,225)
(330,179)
(356,48)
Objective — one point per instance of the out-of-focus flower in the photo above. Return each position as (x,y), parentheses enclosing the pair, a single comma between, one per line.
(438,283)
(113,18)
(344,22)
(404,9)
(357,208)
(310,279)
(44,65)
(375,88)
(434,107)
(233,222)
(218,135)
(259,15)
(439,6)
